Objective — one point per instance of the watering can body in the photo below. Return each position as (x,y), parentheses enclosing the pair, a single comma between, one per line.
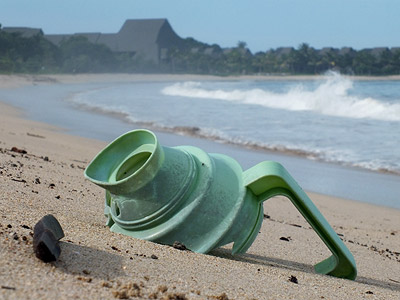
(169,194)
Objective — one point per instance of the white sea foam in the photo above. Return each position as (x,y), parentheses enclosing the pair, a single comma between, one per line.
(331,97)
(328,141)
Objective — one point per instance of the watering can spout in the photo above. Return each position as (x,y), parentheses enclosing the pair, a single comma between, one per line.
(168,194)
(141,178)
(119,167)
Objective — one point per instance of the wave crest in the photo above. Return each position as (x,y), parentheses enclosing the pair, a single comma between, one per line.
(331,97)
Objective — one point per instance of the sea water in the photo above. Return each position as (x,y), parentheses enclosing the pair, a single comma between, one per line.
(335,119)
(342,135)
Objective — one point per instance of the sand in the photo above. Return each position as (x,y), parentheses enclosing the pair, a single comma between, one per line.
(98,264)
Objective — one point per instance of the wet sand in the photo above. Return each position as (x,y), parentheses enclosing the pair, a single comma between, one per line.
(98,264)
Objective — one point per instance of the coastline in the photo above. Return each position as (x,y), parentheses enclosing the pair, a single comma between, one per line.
(84,274)
(10,81)
(98,264)
(335,179)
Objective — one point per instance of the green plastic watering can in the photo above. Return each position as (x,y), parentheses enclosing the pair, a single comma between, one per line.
(168,194)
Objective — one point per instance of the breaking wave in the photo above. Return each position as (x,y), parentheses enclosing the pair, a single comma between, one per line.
(331,97)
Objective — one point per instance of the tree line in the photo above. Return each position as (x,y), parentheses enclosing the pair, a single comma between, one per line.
(36,54)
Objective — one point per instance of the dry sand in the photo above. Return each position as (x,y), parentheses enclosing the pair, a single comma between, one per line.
(98,264)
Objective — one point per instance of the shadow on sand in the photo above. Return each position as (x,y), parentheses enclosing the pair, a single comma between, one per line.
(295,266)
(88,262)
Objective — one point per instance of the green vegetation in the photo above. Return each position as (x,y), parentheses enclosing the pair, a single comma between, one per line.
(27,55)
(77,55)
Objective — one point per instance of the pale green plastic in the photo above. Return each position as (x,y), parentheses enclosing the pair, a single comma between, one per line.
(168,194)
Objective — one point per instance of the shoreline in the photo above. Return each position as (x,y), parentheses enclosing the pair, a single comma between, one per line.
(98,264)
(195,132)
(17,80)
(327,178)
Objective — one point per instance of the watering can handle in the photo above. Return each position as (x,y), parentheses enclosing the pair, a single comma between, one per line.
(269,179)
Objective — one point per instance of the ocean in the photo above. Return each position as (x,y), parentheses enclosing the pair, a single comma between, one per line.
(333,120)
(352,123)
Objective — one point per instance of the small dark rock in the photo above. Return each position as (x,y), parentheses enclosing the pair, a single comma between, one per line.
(46,158)
(4,287)
(293,279)
(9,226)
(369,292)
(15,149)
(52,185)
(37,180)
(19,180)
(286,239)
(154,256)
(179,246)
(266,216)
(58,197)
(296,225)
(47,233)
(115,248)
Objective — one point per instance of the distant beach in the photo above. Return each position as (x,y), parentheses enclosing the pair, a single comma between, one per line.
(7,81)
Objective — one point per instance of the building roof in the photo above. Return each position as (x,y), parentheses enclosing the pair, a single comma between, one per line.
(91,36)
(346,50)
(283,50)
(133,34)
(137,33)
(145,36)
(326,50)
(394,49)
(108,39)
(25,32)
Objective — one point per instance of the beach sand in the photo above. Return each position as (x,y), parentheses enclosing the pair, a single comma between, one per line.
(98,264)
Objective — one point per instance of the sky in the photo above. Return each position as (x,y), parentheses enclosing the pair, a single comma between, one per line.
(262,24)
